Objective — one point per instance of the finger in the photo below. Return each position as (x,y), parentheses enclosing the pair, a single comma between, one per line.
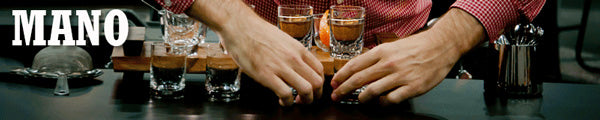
(313,62)
(296,81)
(398,95)
(315,80)
(360,79)
(313,73)
(278,86)
(379,88)
(354,65)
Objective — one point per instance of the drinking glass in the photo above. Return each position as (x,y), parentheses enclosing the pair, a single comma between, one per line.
(182,31)
(347,26)
(222,75)
(352,98)
(199,39)
(296,21)
(167,71)
(317,37)
(200,33)
(60,62)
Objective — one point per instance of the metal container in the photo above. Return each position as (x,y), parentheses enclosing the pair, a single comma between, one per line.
(516,51)
(515,74)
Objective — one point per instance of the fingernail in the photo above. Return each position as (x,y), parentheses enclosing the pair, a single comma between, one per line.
(334,97)
(297,100)
(281,102)
(334,84)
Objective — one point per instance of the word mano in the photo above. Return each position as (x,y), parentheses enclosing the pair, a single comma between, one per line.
(37,19)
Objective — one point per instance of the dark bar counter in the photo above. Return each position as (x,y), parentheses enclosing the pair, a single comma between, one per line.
(117,95)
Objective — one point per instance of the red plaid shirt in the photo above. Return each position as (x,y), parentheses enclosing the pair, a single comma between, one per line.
(400,17)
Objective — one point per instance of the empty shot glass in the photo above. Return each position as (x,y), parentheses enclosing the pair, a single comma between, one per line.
(347,27)
(352,98)
(200,37)
(167,71)
(222,75)
(181,31)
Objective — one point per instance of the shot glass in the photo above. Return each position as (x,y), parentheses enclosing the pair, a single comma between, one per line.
(297,21)
(181,31)
(347,27)
(200,34)
(353,97)
(167,71)
(222,75)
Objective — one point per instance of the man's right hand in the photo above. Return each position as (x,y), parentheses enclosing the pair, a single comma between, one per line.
(265,53)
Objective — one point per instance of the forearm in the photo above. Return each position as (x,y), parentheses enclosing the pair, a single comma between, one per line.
(232,20)
(459,29)
(220,14)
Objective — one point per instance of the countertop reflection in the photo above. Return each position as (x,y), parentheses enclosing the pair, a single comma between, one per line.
(126,96)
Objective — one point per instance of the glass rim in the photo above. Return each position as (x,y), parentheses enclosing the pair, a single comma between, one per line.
(347,7)
(294,7)
(168,13)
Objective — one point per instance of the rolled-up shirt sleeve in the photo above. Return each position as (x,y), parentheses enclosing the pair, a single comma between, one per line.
(176,6)
(495,15)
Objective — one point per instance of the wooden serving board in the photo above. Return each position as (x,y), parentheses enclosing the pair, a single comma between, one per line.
(196,64)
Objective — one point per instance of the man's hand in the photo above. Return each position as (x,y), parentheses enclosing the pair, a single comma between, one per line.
(267,54)
(411,66)
(276,60)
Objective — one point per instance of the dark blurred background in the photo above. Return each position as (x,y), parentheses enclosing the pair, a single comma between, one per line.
(563,21)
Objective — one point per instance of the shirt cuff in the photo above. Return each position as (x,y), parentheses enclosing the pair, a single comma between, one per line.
(176,6)
(495,15)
